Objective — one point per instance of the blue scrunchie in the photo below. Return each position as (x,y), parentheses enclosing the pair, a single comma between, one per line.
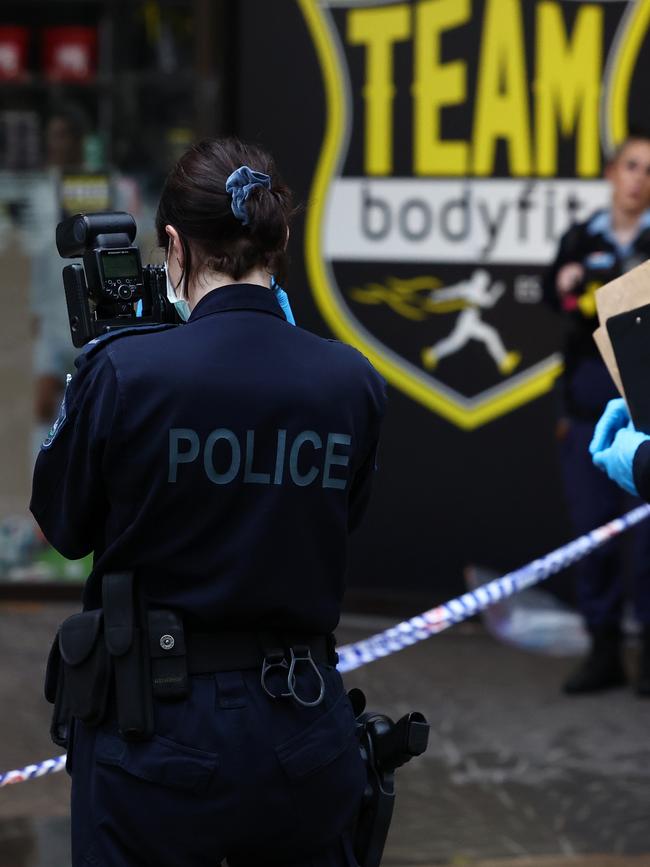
(239,185)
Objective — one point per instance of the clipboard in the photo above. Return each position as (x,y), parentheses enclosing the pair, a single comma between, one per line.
(628,292)
(629,333)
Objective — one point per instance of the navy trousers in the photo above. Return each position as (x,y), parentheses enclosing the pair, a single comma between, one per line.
(593,500)
(230,774)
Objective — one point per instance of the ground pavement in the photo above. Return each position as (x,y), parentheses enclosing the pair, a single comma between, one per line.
(516,774)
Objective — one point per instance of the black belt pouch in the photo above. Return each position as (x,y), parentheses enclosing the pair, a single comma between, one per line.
(127,645)
(168,655)
(78,675)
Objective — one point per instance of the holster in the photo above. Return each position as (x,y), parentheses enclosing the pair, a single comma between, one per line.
(385,746)
(78,674)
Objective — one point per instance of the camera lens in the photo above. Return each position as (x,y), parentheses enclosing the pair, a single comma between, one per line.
(126,292)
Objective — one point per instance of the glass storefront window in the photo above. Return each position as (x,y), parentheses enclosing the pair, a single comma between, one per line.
(98,98)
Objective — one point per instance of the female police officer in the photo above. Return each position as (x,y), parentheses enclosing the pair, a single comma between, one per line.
(223,463)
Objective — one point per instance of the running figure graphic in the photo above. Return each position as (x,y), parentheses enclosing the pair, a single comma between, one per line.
(472,295)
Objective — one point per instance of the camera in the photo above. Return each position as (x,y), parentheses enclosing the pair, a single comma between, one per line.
(111,289)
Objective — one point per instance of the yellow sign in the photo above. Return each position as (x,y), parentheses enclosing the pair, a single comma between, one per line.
(457,219)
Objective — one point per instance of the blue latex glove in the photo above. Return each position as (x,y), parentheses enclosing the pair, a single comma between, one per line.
(283,300)
(617,459)
(615,417)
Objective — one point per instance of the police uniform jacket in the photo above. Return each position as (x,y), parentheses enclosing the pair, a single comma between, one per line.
(224,461)
(592,244)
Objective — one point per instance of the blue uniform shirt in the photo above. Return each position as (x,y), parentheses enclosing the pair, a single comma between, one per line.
(224,461)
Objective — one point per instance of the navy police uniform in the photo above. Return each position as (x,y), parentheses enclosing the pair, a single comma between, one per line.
(224,462)
(586,387)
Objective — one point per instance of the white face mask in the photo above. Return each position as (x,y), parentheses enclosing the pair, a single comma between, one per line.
(180,304)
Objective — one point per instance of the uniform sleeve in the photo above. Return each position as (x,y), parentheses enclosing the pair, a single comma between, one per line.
(69,498)
(570,250)
(363,477)
(361,488)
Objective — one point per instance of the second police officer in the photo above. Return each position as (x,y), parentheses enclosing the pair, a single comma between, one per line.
(221,466)
(609,243)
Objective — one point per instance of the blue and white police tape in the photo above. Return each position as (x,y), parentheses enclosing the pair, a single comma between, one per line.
(435,620)
(31,772)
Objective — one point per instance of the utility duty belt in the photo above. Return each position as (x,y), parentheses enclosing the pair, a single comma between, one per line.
(134,654)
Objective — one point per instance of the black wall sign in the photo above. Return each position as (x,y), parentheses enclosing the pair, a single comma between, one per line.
(440,148)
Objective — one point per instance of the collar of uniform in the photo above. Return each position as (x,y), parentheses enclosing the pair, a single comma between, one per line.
(237,296)
(601,224)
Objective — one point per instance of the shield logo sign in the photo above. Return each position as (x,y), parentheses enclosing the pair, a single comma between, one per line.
(461,140)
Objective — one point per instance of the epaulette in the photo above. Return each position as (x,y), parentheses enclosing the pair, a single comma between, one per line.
(97,343)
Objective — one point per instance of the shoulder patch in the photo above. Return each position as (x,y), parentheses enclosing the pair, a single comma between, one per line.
(600,259)
(61,418)
(94,345)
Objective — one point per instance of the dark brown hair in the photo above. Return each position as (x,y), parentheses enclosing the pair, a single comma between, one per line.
(636,133)
(195,202)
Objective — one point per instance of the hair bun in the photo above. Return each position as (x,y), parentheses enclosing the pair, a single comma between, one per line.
(214,181)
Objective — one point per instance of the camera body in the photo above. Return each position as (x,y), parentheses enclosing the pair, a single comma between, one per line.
(111,289)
